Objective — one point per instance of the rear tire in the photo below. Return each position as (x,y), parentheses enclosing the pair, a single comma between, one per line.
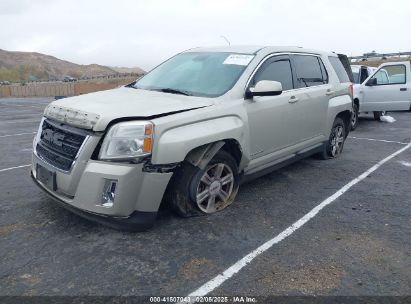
(335,144)
(378,114)
(354,117)
(193,191)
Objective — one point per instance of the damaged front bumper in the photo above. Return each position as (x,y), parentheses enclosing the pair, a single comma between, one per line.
(137,221)
(136,196)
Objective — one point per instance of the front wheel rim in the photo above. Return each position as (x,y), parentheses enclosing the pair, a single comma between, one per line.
(337,140)
(215,188)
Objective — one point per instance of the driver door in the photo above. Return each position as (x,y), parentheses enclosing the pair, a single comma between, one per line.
(387,89)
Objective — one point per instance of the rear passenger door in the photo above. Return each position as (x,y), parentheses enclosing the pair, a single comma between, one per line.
(312,96)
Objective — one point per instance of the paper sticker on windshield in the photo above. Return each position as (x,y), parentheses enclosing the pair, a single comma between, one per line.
(238,59)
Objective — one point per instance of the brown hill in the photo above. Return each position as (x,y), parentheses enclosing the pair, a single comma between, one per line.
(29,66)
(135,70)
(377,62)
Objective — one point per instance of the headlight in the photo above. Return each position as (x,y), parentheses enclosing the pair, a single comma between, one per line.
(127,140)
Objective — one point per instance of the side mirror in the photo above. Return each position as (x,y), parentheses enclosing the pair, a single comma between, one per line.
(265,88)
(371,82)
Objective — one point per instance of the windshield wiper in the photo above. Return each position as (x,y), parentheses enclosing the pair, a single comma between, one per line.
(131,85)
(174,91)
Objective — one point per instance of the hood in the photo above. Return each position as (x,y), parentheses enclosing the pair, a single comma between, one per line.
(96,110)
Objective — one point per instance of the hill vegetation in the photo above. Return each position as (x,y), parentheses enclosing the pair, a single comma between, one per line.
(377,63)
(31,66)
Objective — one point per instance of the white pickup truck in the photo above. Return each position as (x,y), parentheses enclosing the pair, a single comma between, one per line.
(387,88)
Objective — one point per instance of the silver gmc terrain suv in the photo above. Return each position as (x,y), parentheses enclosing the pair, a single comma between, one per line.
(190,130)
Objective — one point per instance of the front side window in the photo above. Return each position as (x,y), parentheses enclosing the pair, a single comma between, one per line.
(208,74)
(310,71)
(396,74)
(276,69)
(382,77)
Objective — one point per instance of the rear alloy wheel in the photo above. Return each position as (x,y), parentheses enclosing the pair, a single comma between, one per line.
(378,114)
(337,141)
(354,117)
(334,147)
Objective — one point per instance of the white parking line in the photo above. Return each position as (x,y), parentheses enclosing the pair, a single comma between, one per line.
(235,268)
(10,135)
(404,163)
(12,168)
(381,140)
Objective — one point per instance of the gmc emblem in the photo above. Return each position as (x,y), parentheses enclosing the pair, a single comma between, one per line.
(53,137)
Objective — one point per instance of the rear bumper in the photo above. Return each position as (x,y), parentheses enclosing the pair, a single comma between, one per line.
(137,221)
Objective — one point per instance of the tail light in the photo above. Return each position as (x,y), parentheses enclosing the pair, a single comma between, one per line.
(351,90)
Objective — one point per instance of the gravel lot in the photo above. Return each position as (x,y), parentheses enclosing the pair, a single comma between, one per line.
(360,244)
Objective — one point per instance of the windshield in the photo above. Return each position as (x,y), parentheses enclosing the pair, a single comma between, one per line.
(355,73)
(356,76)
(196,74)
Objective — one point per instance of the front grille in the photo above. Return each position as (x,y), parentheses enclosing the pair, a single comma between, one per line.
(59,144)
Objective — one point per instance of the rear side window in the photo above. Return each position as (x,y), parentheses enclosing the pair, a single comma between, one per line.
(310,71)
(364,75)
(276,69)
(339,69)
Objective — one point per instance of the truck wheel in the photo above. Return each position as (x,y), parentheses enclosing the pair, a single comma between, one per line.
(354,117)
(378,114)
(194,192)
(335,144)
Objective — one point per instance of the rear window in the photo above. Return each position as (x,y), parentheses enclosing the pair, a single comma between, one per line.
(339,69)
(310,71)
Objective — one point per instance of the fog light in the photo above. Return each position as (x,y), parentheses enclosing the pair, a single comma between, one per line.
(109,193)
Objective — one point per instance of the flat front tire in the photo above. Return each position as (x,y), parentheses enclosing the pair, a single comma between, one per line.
(194,191)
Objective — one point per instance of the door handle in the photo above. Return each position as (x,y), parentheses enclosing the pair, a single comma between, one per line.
(293,99)
(329,92)
(403,89)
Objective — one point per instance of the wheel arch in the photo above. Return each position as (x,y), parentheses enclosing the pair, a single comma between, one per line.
(174,144)
(339,106)
(346,117)
(201,155)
